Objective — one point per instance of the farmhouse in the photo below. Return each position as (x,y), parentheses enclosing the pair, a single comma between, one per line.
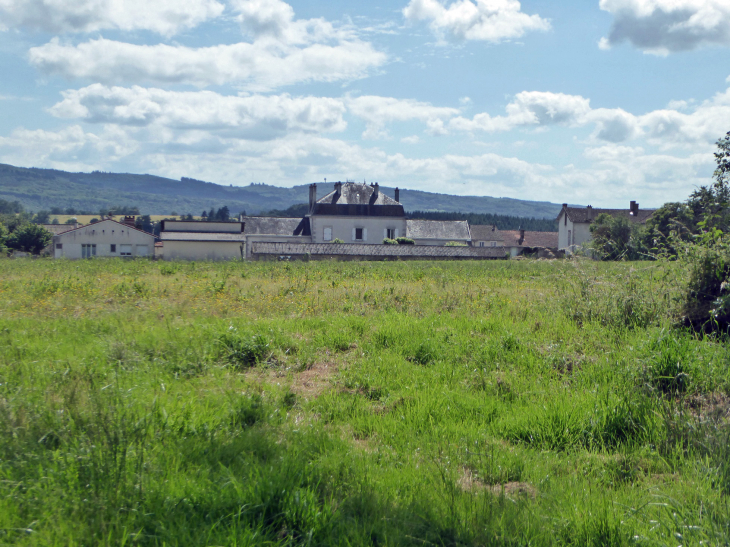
(105,238)
(486,236)
(574,222)
(518,242)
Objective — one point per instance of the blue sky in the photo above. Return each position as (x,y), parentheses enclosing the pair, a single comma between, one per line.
(590,101)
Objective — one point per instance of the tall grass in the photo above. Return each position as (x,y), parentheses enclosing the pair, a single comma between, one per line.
(357,404)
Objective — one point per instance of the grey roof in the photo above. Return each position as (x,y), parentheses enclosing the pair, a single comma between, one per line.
(485,232)
(279,226)
(97,224)
(437,229)
(56,229)
(586,216)
(356,199)
(202,236)
(354,193)
(548,240)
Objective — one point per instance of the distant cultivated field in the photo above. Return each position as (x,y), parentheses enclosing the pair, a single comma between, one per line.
(420,403)
(86,219)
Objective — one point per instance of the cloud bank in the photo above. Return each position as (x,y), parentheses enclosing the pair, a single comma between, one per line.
(667,26)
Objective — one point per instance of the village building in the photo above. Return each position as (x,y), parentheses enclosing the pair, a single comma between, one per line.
(486,235)
(107,238)
(200,240)
(524,242)
(574,222)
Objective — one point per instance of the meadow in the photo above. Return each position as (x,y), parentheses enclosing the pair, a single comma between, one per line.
(419,403)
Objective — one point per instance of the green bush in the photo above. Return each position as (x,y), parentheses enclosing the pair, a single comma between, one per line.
(706,302)
(456,244)
(29,238)
(337,240)
(388,241)
(242,351)
(405,241)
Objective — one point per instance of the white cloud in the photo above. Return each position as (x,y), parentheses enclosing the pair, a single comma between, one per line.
(70,148)
(162,16)
(413,139)
(284,51)
(258,66)
(665,26)
(694,126)
(529,108)
(488,20)
(249,117)
(380,111)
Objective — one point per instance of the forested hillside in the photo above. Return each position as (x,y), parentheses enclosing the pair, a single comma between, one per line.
(43,189)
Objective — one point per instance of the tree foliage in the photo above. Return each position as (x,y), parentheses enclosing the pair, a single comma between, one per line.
(616,238)
(29,238)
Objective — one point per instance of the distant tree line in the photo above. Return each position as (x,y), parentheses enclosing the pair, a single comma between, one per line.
(502,222)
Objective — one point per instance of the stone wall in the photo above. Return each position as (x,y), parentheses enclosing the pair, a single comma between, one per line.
(261,250)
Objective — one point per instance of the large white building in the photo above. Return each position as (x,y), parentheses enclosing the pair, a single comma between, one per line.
(107,238)
(195,240)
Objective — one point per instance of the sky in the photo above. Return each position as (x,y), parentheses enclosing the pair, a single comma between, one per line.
(582,101)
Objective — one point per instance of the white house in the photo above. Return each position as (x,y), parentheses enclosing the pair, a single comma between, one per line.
(485,235)
(107,238)
(574,222)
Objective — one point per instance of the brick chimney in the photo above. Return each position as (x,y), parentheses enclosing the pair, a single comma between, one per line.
(129,221)
(589,212)
(338,188)
(376,189)
(633,208)
(522,236)
(397,195)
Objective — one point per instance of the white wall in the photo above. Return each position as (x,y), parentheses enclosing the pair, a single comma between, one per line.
(273,239)
(342,227)
(104,234)
(202,250)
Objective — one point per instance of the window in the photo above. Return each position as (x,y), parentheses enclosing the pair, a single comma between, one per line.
(113,248)
(390,233)
(494,243)
(481,244)
(59,246)
(570,238)
(327,236)
(143,250)
(88,250)
(125,250)
(358,234)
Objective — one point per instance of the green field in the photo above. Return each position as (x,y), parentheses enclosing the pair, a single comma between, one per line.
(420,403)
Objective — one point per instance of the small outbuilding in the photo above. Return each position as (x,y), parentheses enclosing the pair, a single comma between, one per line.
(107,238)
(200,240)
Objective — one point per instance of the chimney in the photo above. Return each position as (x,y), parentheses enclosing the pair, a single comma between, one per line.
(633,208)
(338,188)
(397,195)
(128,221)
(589,212)
(522,236)
(312,196)
(376,189)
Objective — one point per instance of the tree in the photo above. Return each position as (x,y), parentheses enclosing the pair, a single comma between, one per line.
(223,214)
(30,238)
(671,224)
(615,238)
(3,237)
(42,217)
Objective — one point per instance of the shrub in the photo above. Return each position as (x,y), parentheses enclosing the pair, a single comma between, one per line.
(388,241)
(706,302)
(337,240)
(243,352)
(456,244)
(405,241)
(29,238)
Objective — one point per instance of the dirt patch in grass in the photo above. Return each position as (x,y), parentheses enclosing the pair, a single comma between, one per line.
(714,406)
(312,382)
(469,482)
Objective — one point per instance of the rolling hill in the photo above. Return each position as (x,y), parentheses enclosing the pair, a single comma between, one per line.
(38,189)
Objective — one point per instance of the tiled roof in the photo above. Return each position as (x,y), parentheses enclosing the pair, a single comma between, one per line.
(438,229)
(485,232)
(354,193)
(548,240)
(201,236)
(375,251)
(279,226)
(585,215)
(56,229)
(97,225)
